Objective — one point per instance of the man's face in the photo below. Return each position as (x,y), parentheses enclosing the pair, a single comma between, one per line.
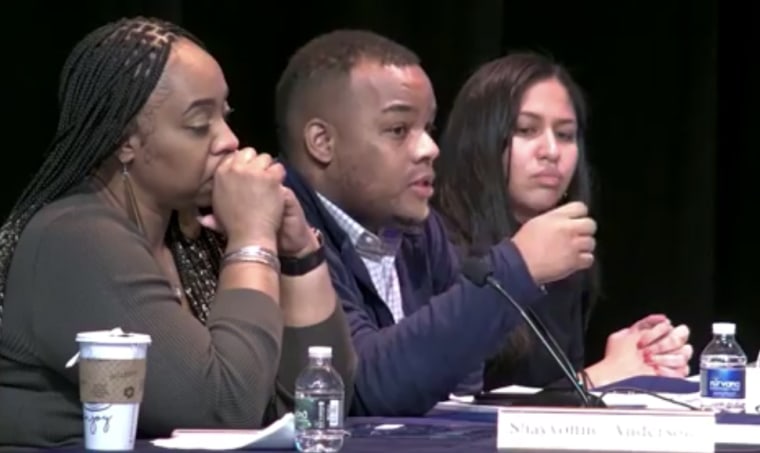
(382,167)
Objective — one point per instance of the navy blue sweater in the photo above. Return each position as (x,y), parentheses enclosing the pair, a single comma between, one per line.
(450,326)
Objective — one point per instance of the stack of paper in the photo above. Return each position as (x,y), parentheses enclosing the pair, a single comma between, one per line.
(280,435)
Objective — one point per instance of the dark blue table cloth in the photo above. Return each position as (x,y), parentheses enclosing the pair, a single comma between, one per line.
(418,435)
(447,431)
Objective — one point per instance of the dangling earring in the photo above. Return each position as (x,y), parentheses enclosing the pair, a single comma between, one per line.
(132,208)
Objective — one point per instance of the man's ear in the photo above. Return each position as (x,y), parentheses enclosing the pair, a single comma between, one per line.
(319,138)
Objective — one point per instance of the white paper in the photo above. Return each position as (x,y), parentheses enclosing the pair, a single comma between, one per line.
(650,401)
(611,399)
(280,435)
(517,389)
(752,391)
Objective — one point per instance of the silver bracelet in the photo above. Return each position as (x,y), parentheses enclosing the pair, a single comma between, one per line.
(252,254)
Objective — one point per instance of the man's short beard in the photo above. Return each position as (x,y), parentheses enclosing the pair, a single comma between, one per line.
(408,224)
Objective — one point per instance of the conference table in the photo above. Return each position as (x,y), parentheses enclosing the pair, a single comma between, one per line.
(436,433)
(443,431)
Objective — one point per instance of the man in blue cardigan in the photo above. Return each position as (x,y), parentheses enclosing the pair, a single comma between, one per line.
(354,111)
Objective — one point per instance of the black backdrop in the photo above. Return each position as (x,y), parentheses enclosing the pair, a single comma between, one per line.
(676,224)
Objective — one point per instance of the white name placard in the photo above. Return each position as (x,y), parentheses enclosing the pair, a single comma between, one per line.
(583,429)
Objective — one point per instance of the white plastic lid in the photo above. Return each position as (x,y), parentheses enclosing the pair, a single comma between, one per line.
(320,352)
(724,328)
(114,336)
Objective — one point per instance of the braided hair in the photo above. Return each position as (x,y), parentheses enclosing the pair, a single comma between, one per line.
(106,80)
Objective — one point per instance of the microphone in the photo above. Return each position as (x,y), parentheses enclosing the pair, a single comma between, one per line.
(479,273)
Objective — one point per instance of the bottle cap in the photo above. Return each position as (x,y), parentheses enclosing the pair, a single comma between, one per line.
(724,328)
(320,352)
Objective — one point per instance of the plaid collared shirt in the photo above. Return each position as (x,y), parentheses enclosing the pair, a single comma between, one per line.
(378,252)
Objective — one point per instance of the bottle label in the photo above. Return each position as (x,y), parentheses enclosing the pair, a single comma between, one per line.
(318,413)
(722,383)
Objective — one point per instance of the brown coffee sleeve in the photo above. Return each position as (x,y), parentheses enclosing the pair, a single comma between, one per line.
(111,381)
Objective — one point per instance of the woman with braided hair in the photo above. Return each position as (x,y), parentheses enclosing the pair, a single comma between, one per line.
(95,242)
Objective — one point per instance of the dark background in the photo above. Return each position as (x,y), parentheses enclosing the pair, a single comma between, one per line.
(671,85)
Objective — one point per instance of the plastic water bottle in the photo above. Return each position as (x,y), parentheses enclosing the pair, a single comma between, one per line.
(319,404)
(723,371)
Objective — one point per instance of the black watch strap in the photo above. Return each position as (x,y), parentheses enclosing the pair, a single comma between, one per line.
(293,267)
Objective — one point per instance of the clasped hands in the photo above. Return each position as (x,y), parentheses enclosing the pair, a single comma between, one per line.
(651,346)
(250,202)
(561,242)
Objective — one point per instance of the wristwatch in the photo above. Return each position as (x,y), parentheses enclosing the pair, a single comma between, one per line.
(293,267)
